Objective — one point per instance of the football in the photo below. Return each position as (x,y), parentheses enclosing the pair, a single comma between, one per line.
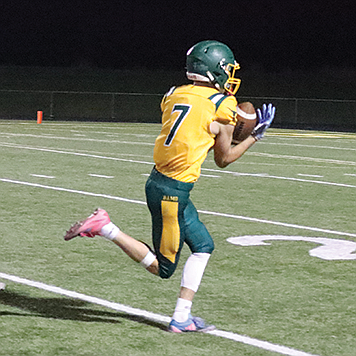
(246,122)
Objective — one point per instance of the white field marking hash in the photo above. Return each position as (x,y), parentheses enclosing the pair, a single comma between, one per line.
(310,175)
(100,176)
(151,163)
(232,216)
(209,176)
(350,174)
(42,176)
(162,319)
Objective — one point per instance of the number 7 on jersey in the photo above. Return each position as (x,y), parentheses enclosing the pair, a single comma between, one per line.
(184,111)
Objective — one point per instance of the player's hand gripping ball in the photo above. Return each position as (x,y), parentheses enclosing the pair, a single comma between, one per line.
(246,122)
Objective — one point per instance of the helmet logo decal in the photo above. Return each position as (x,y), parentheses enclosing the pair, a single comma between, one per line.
(190,51)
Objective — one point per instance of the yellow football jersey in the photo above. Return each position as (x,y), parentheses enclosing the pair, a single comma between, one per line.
(185,138)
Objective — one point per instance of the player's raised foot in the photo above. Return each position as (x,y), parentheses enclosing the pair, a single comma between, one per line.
(192,324)
(90,226)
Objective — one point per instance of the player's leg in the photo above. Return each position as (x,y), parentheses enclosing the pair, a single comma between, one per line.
(100,224)
(201,244)
(182,320)
(166,200)
(173,218)
(137,251)
(166,204)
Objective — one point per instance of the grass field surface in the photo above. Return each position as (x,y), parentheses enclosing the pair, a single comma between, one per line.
(280,281)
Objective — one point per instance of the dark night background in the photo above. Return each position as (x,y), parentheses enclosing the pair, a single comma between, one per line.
(269,35)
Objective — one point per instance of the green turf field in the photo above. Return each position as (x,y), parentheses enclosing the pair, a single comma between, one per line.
(293,295)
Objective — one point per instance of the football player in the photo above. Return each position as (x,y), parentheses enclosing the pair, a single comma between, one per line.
(195,118)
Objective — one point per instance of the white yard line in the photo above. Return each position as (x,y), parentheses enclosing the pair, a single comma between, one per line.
(265,175)
(303,158)
(203,169)
(306,134)
(75,153)
(152,144)
(72,191)
(283,350)
(78,139)
(309,181)
(246,218)
(310,146)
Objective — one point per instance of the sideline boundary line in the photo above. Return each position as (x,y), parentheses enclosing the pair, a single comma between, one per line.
(284,350)
(240,217)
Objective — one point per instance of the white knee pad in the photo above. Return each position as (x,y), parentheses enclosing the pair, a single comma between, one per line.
(194,269)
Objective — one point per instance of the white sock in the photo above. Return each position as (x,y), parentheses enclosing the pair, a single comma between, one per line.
(194,270)
(182,310)
(109,231)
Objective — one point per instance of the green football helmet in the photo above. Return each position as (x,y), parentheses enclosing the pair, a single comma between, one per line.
(214,62)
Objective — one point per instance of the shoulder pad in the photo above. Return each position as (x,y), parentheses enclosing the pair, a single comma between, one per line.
(217,99)
(170,91)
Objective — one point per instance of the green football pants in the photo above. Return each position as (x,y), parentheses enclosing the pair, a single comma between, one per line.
(175,221)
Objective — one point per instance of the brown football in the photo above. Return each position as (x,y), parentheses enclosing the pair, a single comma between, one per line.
(246,122)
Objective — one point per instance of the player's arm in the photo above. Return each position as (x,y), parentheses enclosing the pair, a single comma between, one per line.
(224,153)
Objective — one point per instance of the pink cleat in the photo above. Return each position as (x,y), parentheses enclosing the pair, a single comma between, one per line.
(193,324)
(90,226)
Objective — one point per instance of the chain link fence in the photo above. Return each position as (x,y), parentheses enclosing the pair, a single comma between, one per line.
(298,113)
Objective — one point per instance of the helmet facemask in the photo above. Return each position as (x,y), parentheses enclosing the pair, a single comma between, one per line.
(233,83)
(225,79)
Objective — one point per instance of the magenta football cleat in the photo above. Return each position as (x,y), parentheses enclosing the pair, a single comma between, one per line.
(90,226)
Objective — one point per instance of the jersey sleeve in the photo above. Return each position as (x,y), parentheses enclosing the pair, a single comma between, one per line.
(226,112)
